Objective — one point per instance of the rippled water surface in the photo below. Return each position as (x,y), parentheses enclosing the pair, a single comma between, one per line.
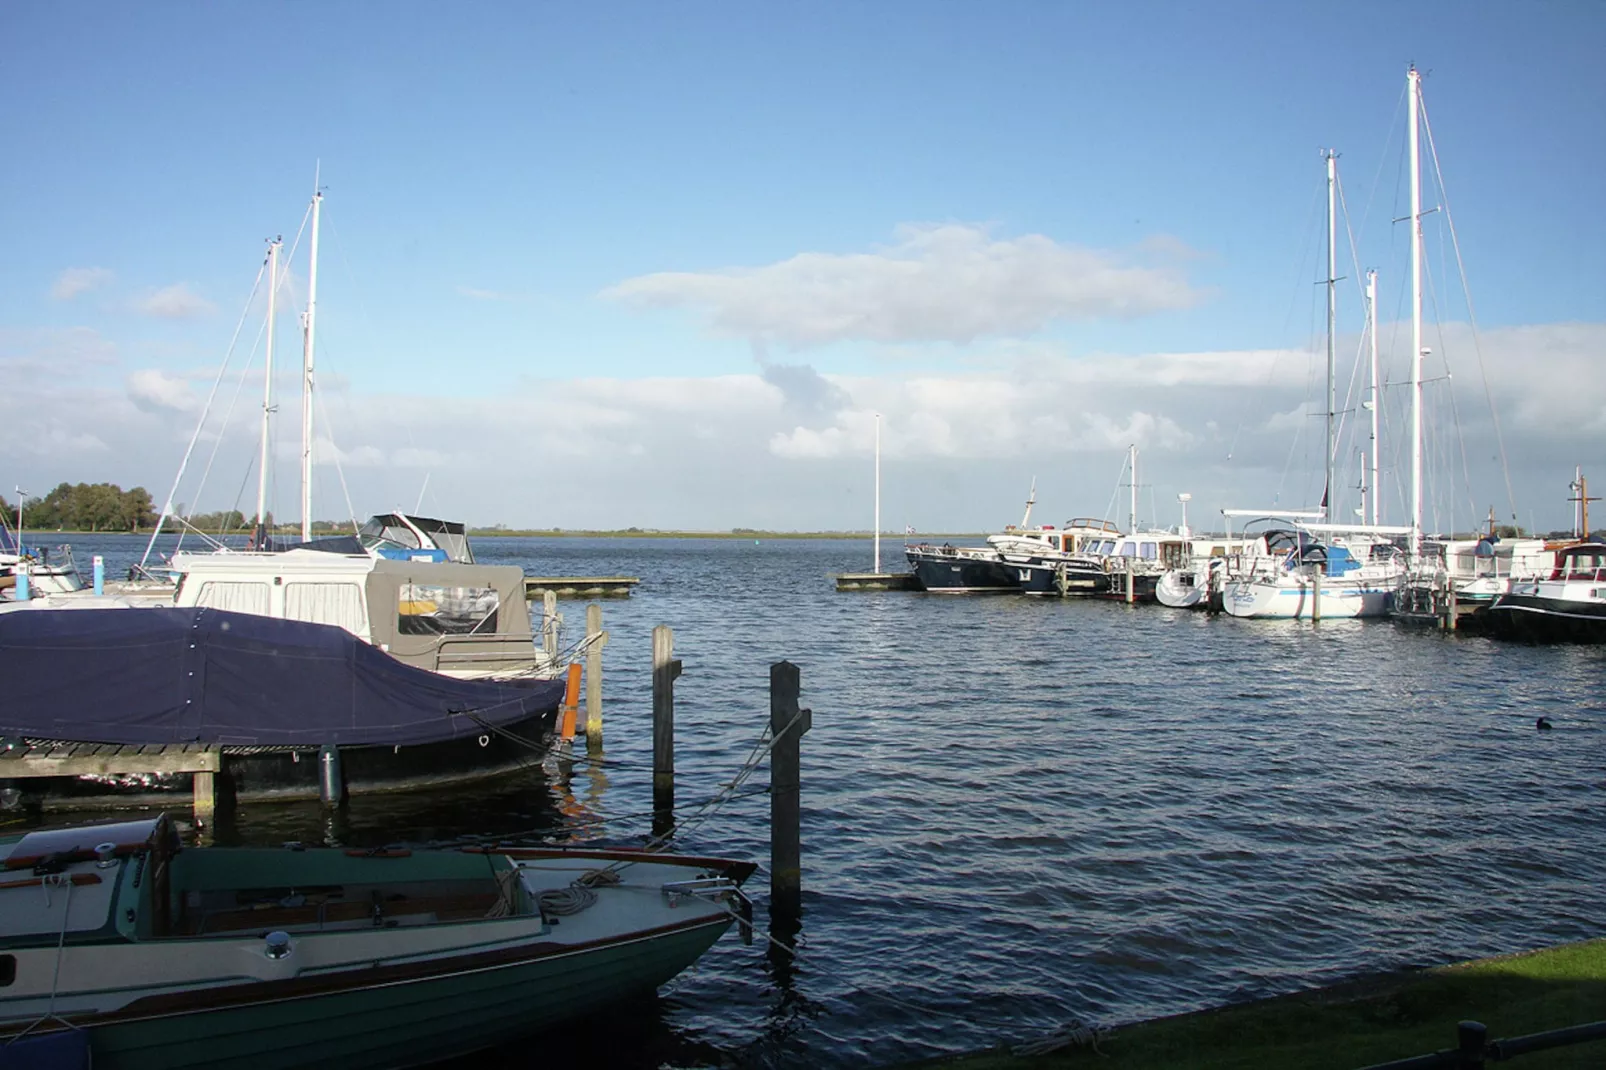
(1021,811)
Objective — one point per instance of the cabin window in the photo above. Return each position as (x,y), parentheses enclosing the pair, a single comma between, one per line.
(340,604)
(8,969)
(427,609)
(1149,551)
(235,597)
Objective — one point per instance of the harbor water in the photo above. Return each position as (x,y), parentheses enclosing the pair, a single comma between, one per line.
(1020,812)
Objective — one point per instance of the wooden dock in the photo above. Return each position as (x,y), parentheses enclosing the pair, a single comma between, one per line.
(877,581)
(581,586)
(22,761)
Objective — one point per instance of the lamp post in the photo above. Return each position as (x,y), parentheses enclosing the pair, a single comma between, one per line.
(1184,498)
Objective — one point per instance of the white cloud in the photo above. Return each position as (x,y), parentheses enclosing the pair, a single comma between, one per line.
(792,450)
(175,302)
(474,293)
(75,281)
(155,390)
(938,282)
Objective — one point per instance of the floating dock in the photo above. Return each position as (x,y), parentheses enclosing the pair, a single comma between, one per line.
(22,761)
(877,581)
(581,586)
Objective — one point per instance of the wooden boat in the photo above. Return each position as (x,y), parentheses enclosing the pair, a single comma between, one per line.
(121,948)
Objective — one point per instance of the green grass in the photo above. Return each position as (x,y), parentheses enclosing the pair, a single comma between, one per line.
(1372,1020)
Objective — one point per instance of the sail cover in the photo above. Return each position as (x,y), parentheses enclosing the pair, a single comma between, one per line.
(147,676)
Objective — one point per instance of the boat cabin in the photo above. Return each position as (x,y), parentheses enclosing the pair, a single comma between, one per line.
(1585,562)
(464,620)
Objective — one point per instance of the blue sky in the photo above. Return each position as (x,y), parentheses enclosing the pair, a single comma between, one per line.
(498,175)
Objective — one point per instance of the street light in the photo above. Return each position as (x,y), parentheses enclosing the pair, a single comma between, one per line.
(1184,498)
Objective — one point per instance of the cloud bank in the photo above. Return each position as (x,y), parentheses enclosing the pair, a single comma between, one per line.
(75,281)
(936,283)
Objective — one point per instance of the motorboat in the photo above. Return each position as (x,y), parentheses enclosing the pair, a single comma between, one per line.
(126,951)
(1568,606)
(948,569)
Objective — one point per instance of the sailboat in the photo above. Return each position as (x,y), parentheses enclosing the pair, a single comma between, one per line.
(1328,569)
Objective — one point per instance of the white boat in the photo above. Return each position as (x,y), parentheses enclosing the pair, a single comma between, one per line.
(127,951)
(1050,560)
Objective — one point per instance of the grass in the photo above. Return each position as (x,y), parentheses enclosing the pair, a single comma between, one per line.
(1372,1020)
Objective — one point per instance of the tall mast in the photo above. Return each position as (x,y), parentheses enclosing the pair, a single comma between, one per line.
(1414,82)
(311,323)
(1371,329)
(267,399)
(1133,451)
(878,492)
(1328,495)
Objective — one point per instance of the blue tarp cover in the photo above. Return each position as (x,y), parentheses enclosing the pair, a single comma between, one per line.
(142,676)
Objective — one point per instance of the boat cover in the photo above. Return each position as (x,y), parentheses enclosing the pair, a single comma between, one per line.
(172,675)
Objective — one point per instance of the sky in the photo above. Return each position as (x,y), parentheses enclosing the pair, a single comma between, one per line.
(672,266)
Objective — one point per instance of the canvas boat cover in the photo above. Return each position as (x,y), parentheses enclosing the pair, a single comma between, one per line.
(149,676)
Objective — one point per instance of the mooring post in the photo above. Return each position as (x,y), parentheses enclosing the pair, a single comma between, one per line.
(787,725)
(1450,620)
(20,592)
(1471,1041)
(596,639)
(205,792)
(550,624)
(1130,562)
(1316,594)
(100,574)
(665,670)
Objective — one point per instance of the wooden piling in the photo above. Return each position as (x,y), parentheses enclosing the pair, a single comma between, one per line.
(205,792)
(665,670)
(596,639)
(1130,573)
(787,725)
(551,624)
(1316,594)
(1450,619)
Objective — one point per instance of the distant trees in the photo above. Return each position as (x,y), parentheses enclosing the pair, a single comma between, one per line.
(88,507)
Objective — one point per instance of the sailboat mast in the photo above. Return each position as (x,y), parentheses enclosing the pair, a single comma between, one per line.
(1371,329)
(1134,454)
(1414,82)
(878,493)
(267,399)
(306,374)
(1328,496)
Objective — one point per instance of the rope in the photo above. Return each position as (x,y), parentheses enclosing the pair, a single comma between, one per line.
(45,881)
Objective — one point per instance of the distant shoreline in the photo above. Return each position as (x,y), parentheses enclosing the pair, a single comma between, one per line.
(548,533)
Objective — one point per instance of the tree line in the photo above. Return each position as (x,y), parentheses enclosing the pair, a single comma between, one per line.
(85,507)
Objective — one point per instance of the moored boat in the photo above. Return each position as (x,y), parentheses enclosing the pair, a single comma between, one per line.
(279,701)
(121,947)
(961,569)
(1568,607)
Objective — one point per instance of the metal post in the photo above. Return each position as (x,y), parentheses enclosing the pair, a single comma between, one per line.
(20,593)
(597,639)
(665,670)
(100,574)
(787,725)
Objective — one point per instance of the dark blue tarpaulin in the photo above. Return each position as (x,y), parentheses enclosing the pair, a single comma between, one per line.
(142,676)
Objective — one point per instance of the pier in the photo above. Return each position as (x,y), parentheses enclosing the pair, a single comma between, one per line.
(24,761)
(877,581)
(581,586)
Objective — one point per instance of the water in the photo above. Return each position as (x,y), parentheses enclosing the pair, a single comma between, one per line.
(1022,811)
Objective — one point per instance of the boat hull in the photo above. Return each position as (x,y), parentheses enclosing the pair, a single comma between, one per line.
(1177,590)
(1535,618)
(1293,598)
(402,1023)
(953,573)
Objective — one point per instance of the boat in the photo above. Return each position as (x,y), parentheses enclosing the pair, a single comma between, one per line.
(1050,560)
(948,569)
(1569,606)
(1135,564)
(279,701)
(126,951)
(43,576)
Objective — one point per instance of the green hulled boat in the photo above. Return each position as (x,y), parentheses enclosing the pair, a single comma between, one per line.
(119,946)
